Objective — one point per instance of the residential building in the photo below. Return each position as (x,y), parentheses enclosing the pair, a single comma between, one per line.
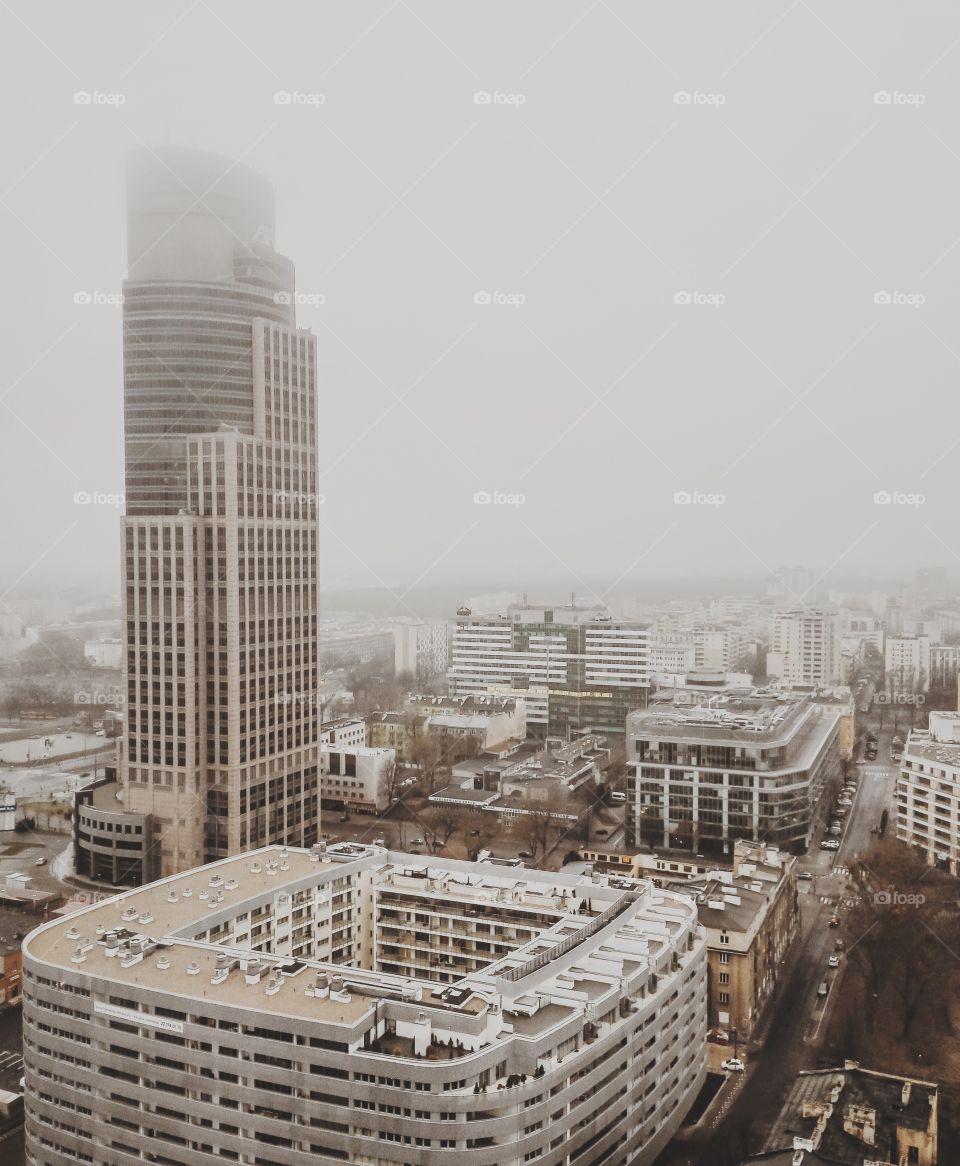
(944,665)
(220,534)
(356,777)
(421,649)
(345,647)
(906,661)
(577,669)
(853,1116)
(461,725)
(928,791)
(794,584)
(702,775)
(347,1004)
(804,649)
(671,657)
(752,916)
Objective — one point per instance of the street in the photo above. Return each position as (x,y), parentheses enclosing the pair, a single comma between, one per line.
(792,1035)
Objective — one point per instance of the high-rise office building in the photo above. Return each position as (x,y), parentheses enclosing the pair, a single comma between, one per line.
(220,535)
(577,668)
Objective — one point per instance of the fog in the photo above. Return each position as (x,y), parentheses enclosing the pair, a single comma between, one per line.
(604,293)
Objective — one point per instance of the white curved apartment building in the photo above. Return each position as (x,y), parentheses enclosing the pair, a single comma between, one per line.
(350,1005)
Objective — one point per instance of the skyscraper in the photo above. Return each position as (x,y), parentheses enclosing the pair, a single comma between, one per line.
(220,534)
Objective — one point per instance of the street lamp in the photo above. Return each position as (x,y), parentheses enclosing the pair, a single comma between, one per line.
(735,1037)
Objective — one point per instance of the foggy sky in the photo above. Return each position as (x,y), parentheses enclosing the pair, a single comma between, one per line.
(797,198)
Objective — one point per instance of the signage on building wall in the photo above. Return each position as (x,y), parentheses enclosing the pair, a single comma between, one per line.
(133,1017)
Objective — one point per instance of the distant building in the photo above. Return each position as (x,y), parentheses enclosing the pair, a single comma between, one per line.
(422,650)
(702,775)
(804,649)
(794,584)
(906,660)
(944,665)
(343,732)
(11,975)
(928,792)
(103,653)
(344,647)
(577,669)
(461,725)
(853,1116)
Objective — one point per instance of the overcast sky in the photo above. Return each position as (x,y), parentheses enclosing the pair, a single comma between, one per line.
(779,165)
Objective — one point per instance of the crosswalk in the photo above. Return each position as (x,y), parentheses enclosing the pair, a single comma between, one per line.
(10,1060)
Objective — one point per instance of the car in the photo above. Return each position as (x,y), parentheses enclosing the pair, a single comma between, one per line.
(833,961)
(733,1065)
(838,945)
(823,989)
(474,833)
(836,831)
(417,842)
(844,803)
(834,921)
(524,854)
(805,875)
(101,733)
(617,796)
(830,844)
(40,862)
(600,833)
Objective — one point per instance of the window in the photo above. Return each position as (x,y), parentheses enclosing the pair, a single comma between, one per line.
(724,997)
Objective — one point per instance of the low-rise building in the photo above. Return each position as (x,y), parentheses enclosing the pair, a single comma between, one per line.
(460,725)
(356,777)
(344,732)
(11,975)
(854,1116)
(111,844)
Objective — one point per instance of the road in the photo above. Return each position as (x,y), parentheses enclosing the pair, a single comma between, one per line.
(791,1037)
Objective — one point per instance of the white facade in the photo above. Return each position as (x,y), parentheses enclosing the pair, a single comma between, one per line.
(354,775)
(928,791)
(421,649)
(804,649)
(347,732)
(103,653)
(906,660)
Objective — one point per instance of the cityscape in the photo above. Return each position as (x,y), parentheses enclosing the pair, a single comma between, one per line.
(479,610)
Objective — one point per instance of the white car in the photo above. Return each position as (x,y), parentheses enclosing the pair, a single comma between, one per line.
(833,961)
(733,1065)
(829,844)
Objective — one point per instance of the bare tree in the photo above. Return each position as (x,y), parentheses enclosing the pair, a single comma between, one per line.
(442,822)
(389,786)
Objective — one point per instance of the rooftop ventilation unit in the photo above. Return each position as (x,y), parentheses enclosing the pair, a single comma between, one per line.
(193,969)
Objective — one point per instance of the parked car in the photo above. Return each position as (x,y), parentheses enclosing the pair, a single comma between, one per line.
(823,989)
(524,854)
(733,1065)
(836,831)
(834,921)
(833,961)
(829,844)
(40,862)
(805,875)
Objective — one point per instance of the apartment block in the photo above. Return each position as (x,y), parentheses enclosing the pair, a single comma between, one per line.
(928,791)
(804,649)
(346,1004)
